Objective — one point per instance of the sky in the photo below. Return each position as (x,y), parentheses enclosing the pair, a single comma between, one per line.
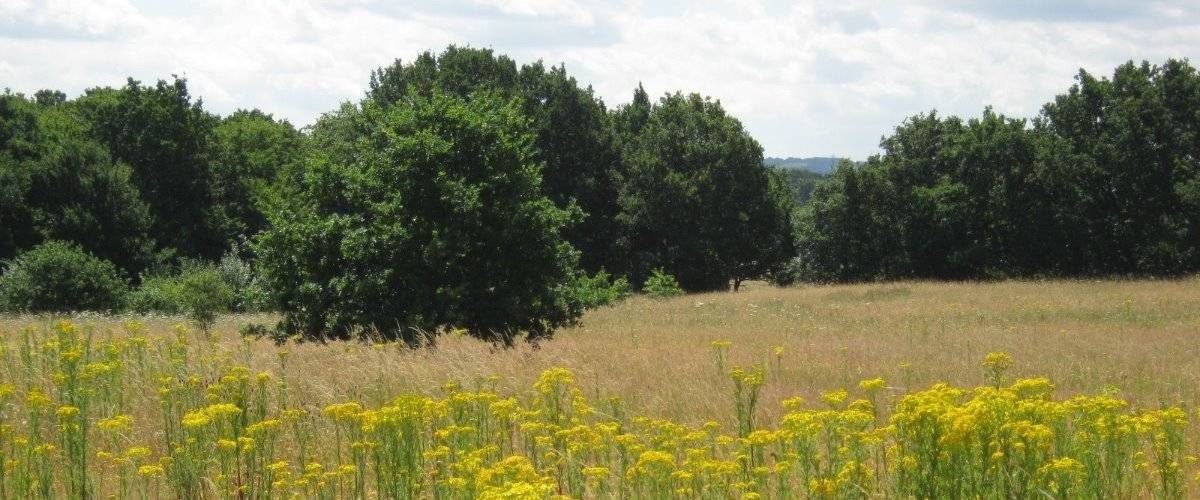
(806,78)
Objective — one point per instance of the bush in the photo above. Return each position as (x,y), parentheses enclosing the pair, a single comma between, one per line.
(204,294)
(250,293)
(157,294)
(599,289)
(57,276)
(661,285)
(199,291)
(791,272)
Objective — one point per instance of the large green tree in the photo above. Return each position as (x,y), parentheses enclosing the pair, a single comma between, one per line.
(629,119)
(839,237)
(78,194)
(696,199)
(1134,145)
(165,137)
(62,185)
(572,136)
(20,136)
(430,217)
(250,150)
(945,199)
(767,218)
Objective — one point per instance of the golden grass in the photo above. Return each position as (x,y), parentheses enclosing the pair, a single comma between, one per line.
(1142,337)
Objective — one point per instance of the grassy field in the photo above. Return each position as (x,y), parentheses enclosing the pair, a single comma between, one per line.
(1138,340)
(1142,337)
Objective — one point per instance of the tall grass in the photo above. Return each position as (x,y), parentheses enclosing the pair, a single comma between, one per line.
(98,407)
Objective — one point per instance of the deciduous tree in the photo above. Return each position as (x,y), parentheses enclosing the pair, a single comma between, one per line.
(432,217)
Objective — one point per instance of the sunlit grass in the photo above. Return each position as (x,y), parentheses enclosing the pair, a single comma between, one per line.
(784,392)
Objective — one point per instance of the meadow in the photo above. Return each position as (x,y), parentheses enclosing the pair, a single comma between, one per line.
(1012,389)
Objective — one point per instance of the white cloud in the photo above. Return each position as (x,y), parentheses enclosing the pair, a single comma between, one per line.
(806,78)
(561,9)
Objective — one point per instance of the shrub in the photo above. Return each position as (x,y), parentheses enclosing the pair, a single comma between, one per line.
(204,294)
(599,289)
(157,294)
(57,276)
(250,293)
(254,330)
(199,291)
(790,273)
(661,285)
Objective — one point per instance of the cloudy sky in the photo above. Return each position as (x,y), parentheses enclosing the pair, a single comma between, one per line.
(807,78)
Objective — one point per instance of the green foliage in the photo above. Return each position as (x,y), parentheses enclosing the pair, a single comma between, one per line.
(811,166)
(254,330)
(157,293)
(791,272)
(661,285)
(1127,154)
(60,185)
(250,291)
(249,150)
(20,137)
(696,199)
(57,276)
(576,143)
(198,291)
(948,199)
(78,193)
(457,70)
(166,140)
(378,203)
(420,216)
(203,293)
(801,183)
(140,175)
(629,119)
(768,223)
(49,97)
(1103,183)
(193,183)
(573,138)
(599,289)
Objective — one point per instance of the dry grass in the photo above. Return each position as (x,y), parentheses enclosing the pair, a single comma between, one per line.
(1142,337)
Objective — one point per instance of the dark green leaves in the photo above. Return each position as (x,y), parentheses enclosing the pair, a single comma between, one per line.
(433,218)
(695,198)
(1102,184)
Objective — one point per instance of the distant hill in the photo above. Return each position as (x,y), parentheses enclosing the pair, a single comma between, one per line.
(818,164)
(801,182)
(804,174)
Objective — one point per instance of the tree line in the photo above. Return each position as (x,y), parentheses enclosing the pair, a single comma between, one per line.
(465,191)
(1105,181)
(462,191)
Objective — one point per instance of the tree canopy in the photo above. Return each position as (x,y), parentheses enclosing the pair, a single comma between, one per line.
(59,184)
(695,197)
(166,140)
(431,218)
(250,150)
(465,190)
(572,136)
(1102,182)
